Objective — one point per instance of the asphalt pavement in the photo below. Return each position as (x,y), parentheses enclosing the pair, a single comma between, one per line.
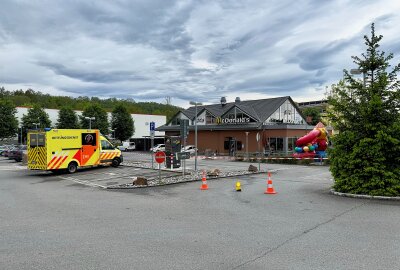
(48,222)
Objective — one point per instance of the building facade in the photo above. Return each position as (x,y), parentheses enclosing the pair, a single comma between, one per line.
(267,125)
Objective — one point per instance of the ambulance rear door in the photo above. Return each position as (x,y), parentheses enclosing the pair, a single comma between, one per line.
(37,150)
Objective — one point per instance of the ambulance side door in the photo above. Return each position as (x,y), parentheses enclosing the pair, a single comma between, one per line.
(107,151)
(89,148)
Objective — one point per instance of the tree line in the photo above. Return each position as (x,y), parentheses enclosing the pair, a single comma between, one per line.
(121,123)
(93,116)
(29,98)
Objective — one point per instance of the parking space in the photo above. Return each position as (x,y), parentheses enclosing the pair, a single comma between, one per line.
(106,177)
(103,177)
(10,165)
(168,226)
(138,164)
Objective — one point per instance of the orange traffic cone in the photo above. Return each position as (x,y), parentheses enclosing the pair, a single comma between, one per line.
(270,189)
(204,185)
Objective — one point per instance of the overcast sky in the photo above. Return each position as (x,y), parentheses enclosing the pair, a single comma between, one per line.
(187,50)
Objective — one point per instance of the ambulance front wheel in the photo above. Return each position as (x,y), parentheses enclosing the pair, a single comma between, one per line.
(72,167)
(115,162)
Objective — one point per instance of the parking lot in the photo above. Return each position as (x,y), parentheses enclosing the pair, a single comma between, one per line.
(54,222)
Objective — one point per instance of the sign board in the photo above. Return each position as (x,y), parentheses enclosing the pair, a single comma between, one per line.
(234,121)
(184,128)
(159,157)
(152,126)
(183,155)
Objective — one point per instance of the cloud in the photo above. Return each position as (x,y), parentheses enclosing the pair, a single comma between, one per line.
(99,77)
(188,50)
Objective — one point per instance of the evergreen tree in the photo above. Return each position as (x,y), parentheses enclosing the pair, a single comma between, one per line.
(67,118)
(36,118)
(122,123)
(9,122)
(365,158)
(100,122)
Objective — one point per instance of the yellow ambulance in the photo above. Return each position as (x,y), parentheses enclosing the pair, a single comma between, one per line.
(70,149)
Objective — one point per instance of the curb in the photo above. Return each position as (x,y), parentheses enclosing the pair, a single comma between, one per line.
(186,180)
(359,196)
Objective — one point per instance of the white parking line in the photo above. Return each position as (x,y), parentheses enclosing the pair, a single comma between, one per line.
(12,168)
(82,182)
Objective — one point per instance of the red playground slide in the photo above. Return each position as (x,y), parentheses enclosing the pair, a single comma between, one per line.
(308,138)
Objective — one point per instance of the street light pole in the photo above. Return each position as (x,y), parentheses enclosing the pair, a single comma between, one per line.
(195,132)
(90,120)
(247,145)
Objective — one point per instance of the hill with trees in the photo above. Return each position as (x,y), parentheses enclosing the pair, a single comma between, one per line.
(29,98)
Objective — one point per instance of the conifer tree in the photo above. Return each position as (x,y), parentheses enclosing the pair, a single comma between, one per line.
(365,158)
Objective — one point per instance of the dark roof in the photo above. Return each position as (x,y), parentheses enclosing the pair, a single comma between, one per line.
(259,109)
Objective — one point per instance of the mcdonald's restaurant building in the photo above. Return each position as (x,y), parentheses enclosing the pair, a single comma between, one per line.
(267,125)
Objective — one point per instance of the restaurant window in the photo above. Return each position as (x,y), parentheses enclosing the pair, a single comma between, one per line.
(291,144)
(230,115)
(226,142)
(274,145)
(176,121)
(210,119)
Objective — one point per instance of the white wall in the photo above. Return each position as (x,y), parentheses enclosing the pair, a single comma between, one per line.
(141,121)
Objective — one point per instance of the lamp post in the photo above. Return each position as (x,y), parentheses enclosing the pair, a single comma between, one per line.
(247,145)
(21,135)
(195,132)
(36,125)
(90,120)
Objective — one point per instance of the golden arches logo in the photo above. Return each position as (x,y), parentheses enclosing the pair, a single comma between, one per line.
(218,120)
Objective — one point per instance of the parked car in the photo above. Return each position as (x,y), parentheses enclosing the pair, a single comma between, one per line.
(190,148)
(17,152)
(157,148)
(2,149)
(127,146)
(8,150)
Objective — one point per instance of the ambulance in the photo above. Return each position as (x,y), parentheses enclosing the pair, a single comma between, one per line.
(70,149)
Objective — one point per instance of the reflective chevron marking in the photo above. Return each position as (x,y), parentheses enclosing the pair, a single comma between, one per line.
(55,162)
(62,161)
(53,158)
(58,160)
(37,158)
